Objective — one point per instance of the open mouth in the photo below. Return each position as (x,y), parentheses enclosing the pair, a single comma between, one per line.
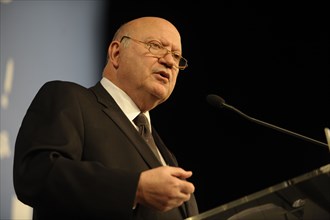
(164,75)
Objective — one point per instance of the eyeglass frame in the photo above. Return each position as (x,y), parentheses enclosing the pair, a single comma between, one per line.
(149,45)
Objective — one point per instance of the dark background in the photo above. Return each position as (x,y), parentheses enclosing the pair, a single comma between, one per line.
(271,61)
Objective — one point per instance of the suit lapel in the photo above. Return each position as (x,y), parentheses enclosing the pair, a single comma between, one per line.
(118,117)
(167,155)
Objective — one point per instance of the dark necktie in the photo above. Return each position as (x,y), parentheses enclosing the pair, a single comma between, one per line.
(142,122)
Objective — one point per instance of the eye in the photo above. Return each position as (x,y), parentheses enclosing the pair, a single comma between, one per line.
(176,56)
(155,45)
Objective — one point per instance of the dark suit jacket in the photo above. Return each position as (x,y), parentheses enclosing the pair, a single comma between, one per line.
(77,156)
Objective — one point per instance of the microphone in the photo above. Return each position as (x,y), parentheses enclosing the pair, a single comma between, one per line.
(219,102)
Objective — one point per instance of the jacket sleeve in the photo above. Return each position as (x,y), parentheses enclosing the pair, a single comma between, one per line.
(49,173)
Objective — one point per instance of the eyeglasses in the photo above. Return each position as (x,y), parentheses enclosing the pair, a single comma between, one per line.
(156,48)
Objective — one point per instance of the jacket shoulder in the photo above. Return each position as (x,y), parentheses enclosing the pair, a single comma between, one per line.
(61,83)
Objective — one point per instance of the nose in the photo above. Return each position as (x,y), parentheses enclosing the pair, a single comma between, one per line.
(167,60)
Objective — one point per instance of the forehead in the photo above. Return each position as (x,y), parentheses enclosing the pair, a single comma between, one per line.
(156,29)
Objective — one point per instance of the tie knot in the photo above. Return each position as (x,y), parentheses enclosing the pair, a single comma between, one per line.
(141,120)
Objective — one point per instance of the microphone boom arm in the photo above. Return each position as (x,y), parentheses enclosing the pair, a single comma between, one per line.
(273,126)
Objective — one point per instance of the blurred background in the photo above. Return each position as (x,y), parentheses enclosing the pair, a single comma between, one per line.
(268,59)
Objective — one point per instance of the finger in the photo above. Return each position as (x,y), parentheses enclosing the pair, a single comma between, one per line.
(187,187)
(181,173)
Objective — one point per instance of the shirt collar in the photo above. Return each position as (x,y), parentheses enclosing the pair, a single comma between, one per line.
(126,104)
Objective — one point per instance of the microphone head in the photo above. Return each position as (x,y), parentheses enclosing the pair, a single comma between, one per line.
(215,100)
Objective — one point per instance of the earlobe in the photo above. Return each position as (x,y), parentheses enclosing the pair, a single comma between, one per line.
(113,53)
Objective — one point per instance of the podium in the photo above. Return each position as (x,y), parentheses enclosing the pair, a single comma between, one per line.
(305,197)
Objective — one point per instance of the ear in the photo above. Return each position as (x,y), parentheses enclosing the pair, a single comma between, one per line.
(113,53)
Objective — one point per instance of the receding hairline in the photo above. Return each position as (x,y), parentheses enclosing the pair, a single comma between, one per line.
(125,27)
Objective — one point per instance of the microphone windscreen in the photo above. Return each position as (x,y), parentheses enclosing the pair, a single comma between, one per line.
(215,100)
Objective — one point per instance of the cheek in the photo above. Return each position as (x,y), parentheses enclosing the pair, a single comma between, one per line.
(174,79)
(133,71)
(173,83)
